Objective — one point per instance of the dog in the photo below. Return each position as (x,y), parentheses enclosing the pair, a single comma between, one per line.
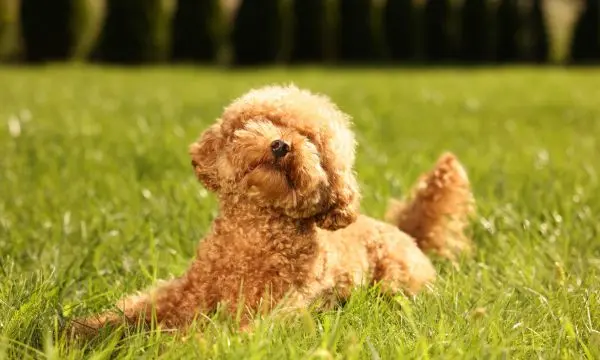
(289,229)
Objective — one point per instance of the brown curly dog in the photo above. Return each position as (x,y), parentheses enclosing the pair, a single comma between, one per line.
(281,160)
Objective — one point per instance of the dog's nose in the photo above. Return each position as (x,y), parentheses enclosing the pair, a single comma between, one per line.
(279,148)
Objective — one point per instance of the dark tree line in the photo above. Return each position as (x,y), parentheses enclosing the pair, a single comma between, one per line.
(476,24)
(197,31)
(585,46)
(302,31)
(59,29)
(309,31)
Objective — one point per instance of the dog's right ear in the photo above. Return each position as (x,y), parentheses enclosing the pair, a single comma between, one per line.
(204,154)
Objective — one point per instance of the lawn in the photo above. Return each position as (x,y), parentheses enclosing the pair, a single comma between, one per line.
(98,199)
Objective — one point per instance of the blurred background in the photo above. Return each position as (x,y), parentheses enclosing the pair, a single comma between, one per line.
(279,32)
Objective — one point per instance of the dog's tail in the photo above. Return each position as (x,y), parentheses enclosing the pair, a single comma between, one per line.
(437,212)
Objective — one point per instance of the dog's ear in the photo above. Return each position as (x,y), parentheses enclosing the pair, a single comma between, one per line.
(345,203)
(204,154)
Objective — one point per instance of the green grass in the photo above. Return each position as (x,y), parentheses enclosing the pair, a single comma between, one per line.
(98,199)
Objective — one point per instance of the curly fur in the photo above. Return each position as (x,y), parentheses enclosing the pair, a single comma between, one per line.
(289,227)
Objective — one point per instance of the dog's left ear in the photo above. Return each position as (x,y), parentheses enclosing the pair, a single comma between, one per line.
(204,153)
(344,208)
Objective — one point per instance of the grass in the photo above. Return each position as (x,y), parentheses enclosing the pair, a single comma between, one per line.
(97,199)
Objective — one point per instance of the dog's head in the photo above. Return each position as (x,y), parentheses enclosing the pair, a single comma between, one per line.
(286,149)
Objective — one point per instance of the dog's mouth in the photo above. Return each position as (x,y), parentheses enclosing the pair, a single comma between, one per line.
(274,165)
(288,177)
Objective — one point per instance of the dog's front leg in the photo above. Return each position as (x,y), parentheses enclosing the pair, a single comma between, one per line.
(171,304)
